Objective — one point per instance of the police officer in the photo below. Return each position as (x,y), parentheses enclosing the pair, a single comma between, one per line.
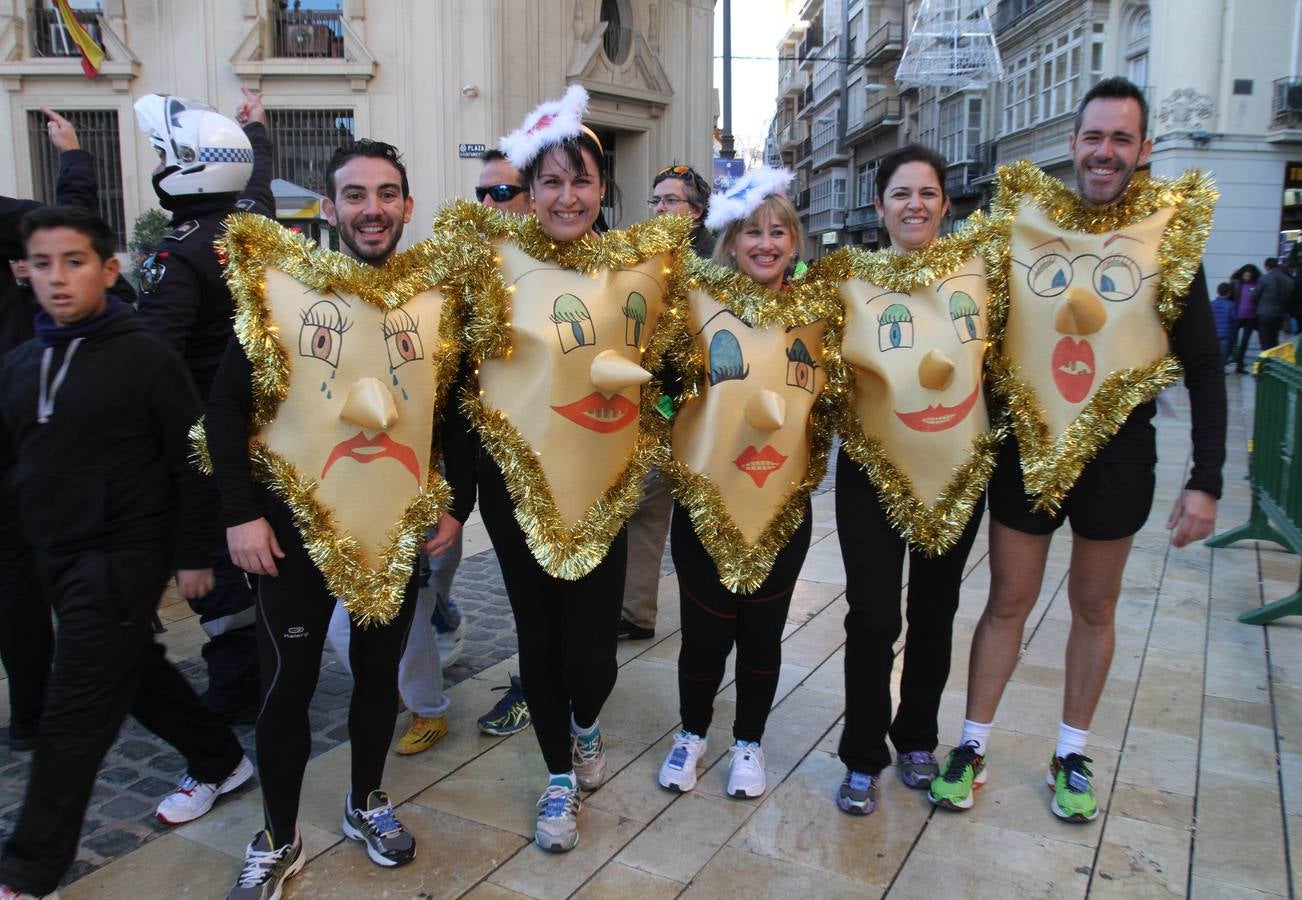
(209,167)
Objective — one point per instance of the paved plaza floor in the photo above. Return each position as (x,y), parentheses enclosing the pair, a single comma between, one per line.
(1197,748)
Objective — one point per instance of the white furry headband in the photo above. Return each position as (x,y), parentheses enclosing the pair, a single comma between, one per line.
(745,195)
(551,122)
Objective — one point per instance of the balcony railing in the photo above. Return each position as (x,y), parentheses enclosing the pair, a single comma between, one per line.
(802,200)
(829,151)
(882,114)
(885,44)
(804,149)
(308,34)
(794,82)
(51,38)
(1011,11)
(961,179)
(863,218)
(792,135)
(827,219)
(1286,103)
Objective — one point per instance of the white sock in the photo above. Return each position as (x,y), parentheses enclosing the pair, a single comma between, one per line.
(576,729)
(976,733)
(1070,740)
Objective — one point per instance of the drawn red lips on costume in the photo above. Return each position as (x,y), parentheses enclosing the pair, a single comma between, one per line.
(759,464)
(1073,368)
(600,413)
(940,417)
(363,450)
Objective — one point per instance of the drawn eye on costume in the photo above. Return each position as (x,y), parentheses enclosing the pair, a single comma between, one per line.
(321,335)
(967,317)
(574,327)
(726,362)
(1117,278)
(635,316)
(1049,275)
(895,328)
(800,366)
(401,339)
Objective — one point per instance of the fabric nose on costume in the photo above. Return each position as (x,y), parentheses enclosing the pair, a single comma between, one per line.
(766,410)
(370,405)
(1081,314)
(612,373)
(936,370)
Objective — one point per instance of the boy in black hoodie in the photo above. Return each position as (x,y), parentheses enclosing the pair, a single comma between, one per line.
(94,414)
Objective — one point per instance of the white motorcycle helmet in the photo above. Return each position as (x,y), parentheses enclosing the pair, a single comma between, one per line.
(202,151)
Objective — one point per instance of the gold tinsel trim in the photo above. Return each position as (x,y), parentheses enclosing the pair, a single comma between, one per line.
(1180,253)
(563,552)
(251,243)
(742,566)
(931,529)
(1050,468)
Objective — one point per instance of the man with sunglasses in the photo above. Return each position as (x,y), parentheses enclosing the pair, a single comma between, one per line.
(500,185)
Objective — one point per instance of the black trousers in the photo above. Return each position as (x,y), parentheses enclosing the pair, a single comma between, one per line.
(874,564)
(231,654)
(26,633)
(714,619)
(294,610)
(106,665)
(1246,326)
(567,630)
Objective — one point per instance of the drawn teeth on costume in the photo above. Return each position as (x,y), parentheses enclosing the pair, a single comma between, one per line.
(759,464)
(940,417)
(1073,368)
(600,413)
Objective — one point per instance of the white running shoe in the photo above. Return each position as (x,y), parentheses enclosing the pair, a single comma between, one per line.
(557,829)
(746,774)
(679,770)
(192,799)
(588,755)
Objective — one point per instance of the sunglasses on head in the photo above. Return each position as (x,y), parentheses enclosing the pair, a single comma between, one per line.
(501,193)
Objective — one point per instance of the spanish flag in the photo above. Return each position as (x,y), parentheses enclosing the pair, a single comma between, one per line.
(92,54)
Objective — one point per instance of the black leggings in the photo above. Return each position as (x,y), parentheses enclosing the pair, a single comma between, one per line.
(294,611)
(874,564)
(714,618)
(567,630)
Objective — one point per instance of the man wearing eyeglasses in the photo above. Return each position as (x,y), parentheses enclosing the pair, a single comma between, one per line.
(676,190)
(679,189)
(500,185)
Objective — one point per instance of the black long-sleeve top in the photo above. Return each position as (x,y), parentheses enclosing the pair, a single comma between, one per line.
(109,467)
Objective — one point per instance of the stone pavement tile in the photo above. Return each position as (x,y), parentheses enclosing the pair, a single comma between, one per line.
(816,640)
(1052,677)
(452,855)
(1168,700)
(635,793)
(1160,760)
(1247,686)
(537,873)
(1211,889)
(800,823)
(823,563)
(994,862)
(1240,834)
(644,704)
(233,823)
(1147,804)
(789,677)
(736,873)
(616,881)
(1029,709)
(1140,859)
(1245,751)
(664,650)
(829,678)
(684,837)
(498,788)
(1189,662)
(1290,767)
(169,866)
(1288,714)
(1179,634)
(813,597)
(1221,710)
(487,891)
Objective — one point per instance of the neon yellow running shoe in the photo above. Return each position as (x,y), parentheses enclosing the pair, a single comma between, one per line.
(1073,793)
(964,770)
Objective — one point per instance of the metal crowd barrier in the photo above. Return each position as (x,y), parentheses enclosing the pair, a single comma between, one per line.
(1275,473)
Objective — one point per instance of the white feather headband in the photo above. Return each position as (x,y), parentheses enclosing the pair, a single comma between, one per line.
(745,195)
(551,122)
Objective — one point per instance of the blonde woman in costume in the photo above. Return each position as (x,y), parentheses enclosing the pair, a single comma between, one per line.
(742,467)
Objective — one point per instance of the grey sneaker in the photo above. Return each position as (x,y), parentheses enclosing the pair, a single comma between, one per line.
(918,768)
(557,829)
(857,794)
(387,842)
(588,754)
(267,868)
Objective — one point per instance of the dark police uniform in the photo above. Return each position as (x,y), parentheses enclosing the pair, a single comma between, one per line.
(186,302)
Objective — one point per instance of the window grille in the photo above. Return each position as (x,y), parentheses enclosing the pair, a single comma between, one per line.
(304,140)
(97,131)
